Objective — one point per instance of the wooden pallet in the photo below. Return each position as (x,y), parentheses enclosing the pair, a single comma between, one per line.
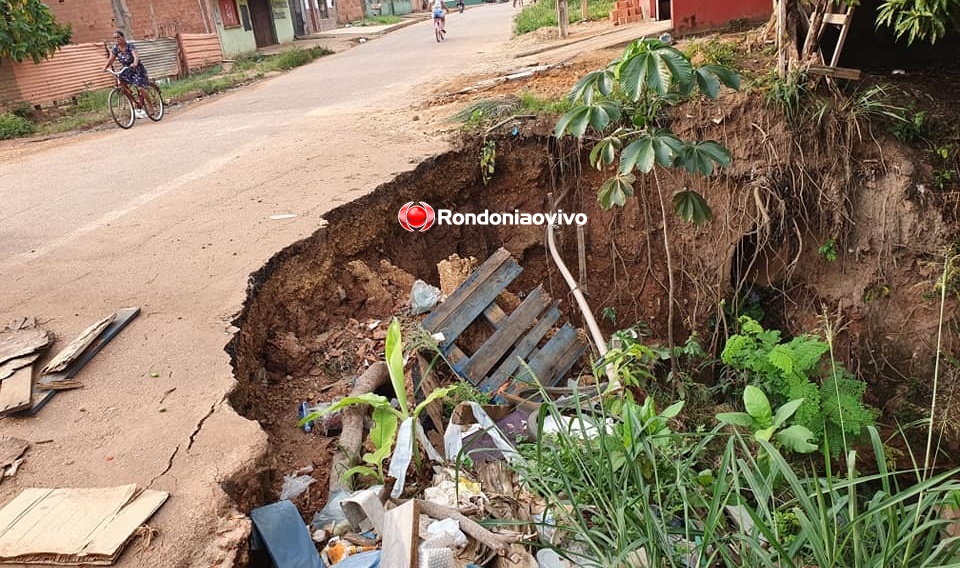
(513,351)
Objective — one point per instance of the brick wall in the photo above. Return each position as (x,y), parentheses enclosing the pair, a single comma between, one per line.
(626,12)
(91,20)
(166,18)
(349,11)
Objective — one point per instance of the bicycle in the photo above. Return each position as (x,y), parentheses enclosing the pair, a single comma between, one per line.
(123,103)
(438,29)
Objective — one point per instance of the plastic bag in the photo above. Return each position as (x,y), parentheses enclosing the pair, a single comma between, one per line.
(331,516)
(445,534)
(294,485)
(423,297)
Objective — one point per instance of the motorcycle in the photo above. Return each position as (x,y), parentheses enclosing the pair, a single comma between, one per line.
(460,6)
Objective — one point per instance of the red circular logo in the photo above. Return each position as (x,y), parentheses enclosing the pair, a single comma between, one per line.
(416,216)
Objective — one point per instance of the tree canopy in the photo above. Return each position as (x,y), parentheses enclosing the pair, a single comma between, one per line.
(924,20)
(29,30)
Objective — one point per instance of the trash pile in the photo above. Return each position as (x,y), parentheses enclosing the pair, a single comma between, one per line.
(424,475)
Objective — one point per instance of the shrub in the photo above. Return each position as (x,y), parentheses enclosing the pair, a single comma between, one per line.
(13,126)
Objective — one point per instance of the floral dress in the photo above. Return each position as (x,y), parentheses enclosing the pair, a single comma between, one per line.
(134,75)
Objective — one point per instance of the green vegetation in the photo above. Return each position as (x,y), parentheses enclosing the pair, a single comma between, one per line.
(832,407)
(15,126)
(828,250)
(28,30)
(623,488)
(387,20)
(90,107)
(543,14)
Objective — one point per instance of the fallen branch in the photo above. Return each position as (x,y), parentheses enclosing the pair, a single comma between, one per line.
(351,434)
(498,543)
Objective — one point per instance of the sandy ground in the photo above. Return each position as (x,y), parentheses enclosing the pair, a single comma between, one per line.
(153,409)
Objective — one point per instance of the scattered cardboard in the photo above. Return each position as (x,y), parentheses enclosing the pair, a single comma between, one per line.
(401,536)
(16,343)
(76,347)
(73,526)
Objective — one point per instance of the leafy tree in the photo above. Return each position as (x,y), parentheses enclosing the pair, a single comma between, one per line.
(28,29)
(624,105)
(925,20)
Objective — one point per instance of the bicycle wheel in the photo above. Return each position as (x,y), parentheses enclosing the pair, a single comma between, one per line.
(153,101)
(121,108)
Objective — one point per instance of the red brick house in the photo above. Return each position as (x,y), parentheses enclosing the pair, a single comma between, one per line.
(695,15)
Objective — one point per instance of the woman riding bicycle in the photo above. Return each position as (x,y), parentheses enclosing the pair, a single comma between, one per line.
(126,54)
(440,13)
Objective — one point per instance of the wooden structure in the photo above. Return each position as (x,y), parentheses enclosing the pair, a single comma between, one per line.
(513,349)
(831,70)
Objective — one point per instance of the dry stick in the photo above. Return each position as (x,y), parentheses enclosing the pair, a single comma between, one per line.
(499,543)
(351,434)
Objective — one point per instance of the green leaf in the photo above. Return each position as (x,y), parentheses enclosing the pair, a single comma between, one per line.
(604,152)
(359,470)
(395,364)
(436,394)
(709,78)
(638,154)
(673,410)
(785,412)
(384,429)
(602,113)
(797,438)
(764,433)
(596,81)
(757,406)
(741,419)
(700,157)
(615,191)
(575,121)
(691,206)
(374,400)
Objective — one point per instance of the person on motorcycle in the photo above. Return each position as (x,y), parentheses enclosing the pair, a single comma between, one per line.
(460,6)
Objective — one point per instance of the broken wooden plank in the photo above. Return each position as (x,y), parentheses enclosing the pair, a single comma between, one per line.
(124,317)
(509,332)
(494,314)
(522,350)
(543,364)
(75,347)
(7,369)
(482,296)
(101,521)
(401,536)
(836,72)
(16,391)
(444,311)
(836,19)
(20,342)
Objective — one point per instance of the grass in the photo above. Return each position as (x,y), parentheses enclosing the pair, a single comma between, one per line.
(90,107)
(378,21)
(543,14)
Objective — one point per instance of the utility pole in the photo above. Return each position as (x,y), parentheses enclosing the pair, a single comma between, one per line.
(584,11)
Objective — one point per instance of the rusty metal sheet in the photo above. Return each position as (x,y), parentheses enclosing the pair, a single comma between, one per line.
(200,50)
(72,70)
(160,56)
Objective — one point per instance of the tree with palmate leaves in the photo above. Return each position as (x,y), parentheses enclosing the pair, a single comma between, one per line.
(623,105)
(29,30)
(910,20)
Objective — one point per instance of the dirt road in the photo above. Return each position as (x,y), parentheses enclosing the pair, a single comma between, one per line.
(172,217)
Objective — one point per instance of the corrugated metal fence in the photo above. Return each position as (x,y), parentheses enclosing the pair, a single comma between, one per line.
(200,50)
(77,68)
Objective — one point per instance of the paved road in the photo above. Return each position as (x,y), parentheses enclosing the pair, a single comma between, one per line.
(172,217)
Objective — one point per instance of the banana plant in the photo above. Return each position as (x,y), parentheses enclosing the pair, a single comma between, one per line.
(392,427)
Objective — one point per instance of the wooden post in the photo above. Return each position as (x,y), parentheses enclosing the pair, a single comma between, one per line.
(562,17)
(584,11)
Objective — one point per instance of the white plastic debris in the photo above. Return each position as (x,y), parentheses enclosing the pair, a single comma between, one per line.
(281,216)
(294,486)
(423,297)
